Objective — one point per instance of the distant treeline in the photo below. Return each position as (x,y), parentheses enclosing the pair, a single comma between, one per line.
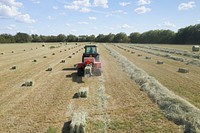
(187,35)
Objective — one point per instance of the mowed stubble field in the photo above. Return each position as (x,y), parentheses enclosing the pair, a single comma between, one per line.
(114,104)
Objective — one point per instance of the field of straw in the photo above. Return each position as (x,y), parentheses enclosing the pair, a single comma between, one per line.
(134,93)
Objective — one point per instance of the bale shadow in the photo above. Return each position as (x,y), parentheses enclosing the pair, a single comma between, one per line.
(75,77)
(66,127)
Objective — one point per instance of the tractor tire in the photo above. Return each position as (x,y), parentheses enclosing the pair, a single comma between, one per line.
(80,72)
(98,72)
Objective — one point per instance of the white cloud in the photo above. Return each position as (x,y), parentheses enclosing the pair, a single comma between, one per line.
(102,3)
(55,7)
(11,27)
(68,24)
(124,3)
(92,18)
(25,18)
(72,7)
(144,2)
(169,24)
(50,18)
(119,11)
(142,9)
(9,9)
(186,6)
(125,26)
(35,1)
(83,23)
(85,10)
(84,3)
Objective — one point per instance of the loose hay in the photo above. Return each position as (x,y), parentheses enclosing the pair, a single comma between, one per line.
(183,70)
(174,107)
(78,123)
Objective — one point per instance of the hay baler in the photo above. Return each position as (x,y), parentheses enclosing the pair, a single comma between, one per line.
(90,64)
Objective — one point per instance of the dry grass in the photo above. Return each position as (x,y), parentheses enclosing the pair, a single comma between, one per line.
(175,108)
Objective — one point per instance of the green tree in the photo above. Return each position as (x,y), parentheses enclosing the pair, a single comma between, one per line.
(121,38)
(22,38)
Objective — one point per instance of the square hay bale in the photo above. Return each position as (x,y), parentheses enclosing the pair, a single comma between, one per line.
(43,45)
(60,51)
(160,62)
(73,54)
(76,51)
(195,48)
(132,52)
(49,69)
(53,53)
(68,48)
(78,122)
(183,70)
(62,61)
(139,54)
(69,56)
(12,51)
(24,49)
(34,60)
(83,92)
(13,67)
(44,56)
(28,83)
(147,57)
(65,49)
(128,50)
(2,53)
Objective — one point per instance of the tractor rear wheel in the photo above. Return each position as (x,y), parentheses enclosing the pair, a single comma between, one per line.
(80,72)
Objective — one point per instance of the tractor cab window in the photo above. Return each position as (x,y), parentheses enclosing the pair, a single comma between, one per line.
(91,50)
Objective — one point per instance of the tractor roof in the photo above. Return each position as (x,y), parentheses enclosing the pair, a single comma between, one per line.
(90,46)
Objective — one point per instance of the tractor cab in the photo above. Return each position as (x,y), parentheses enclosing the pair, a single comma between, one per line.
(90,51)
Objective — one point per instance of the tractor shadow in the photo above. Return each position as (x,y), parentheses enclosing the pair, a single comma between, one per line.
(66,127)
(75,77)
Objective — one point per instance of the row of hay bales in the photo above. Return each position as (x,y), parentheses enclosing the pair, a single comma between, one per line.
(195,62)
(181,70)
(174,107)
(193,54)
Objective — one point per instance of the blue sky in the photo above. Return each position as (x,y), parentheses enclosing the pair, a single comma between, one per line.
(87,17)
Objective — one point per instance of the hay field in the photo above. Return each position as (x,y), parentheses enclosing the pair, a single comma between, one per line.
(114,103)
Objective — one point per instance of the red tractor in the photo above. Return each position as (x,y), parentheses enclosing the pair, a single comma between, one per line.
(90,64)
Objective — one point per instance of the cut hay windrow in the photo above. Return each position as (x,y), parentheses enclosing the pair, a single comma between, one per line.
(174,107)
(195,62)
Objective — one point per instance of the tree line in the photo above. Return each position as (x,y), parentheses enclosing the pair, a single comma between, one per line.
(187,35)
